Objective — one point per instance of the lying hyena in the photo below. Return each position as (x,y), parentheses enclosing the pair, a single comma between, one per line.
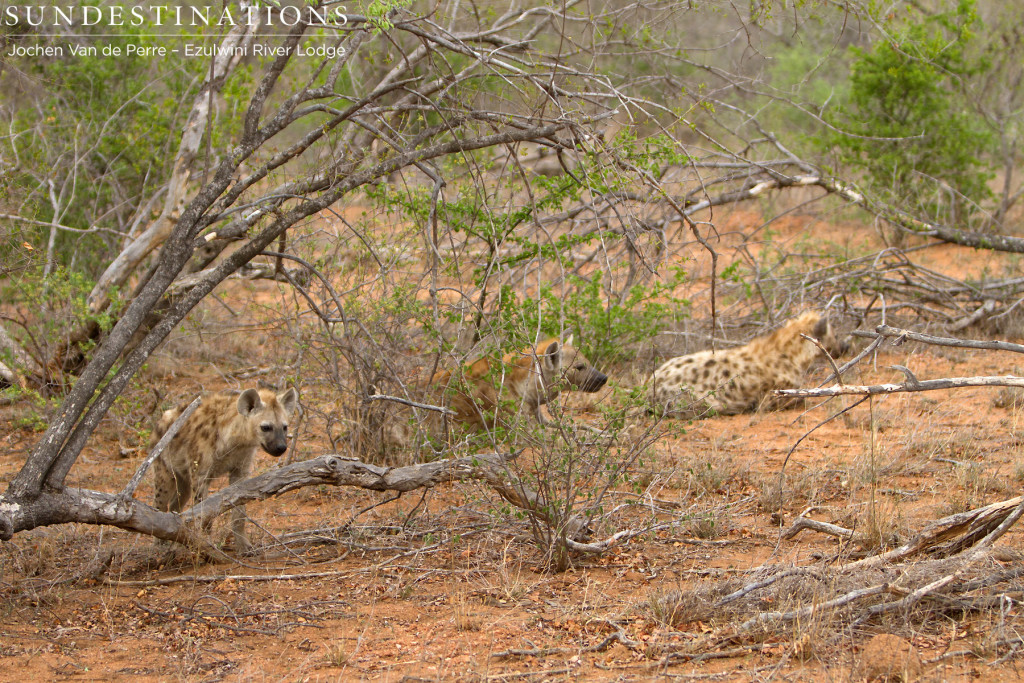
(220,437)
(532,377)
(741,380)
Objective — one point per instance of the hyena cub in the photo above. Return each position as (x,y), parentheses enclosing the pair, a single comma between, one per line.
(535,376)
(475,393)
(220,437)
(741,380)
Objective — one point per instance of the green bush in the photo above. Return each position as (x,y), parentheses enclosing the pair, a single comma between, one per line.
(908,124)
(605,327)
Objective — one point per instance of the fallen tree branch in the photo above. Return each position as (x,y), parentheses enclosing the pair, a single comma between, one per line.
(960,543)
(598,547)
(120,510)
(94,507)
(766,618)
(901,335)
(986,309)
(909,386)
(950,535)
(802,523)
(750,588)
(915,596)
(915,226)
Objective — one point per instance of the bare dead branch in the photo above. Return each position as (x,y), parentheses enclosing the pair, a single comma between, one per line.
(407,402)
(94,507)
(774,578)
(802,523)
(949,535)
(900,335)
(767,618)
(909,386)
(828,357)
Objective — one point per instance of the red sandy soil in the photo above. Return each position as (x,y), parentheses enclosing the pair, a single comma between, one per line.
(426,589)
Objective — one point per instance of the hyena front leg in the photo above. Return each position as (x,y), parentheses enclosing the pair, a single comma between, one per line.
(172,493)
(238,516)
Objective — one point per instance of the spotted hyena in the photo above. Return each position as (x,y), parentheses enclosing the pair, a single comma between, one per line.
(741,380)
(535,376)
(528,379)
(220,437)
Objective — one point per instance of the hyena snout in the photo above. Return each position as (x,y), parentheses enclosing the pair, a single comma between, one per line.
(825,333)
(836,347)
(585,377)
(274,440)
(844,346)
(593,381)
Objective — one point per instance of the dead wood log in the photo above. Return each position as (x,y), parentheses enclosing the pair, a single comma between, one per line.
(802,523)
(95,507)
(900,335)
(948,536)
(120,510)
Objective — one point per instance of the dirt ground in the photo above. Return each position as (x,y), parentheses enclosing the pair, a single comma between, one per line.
(445,586)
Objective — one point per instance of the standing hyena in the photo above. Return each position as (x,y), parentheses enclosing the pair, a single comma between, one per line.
(741,380)
(220,437)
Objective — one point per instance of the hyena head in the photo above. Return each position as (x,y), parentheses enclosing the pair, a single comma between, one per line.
(267,415)
(564,367)
(824,332)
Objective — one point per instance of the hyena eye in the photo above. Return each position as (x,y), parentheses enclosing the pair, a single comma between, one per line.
(284,428)
(580,366)
(266,428)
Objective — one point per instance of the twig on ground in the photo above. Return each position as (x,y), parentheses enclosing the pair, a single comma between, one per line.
(802,523)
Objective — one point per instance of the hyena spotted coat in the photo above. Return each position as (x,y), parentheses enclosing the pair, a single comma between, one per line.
(220,437)
(741,380)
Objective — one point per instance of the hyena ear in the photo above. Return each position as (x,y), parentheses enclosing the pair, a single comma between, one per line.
(820,328)
(289,400)
(249,402)
(553,355)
